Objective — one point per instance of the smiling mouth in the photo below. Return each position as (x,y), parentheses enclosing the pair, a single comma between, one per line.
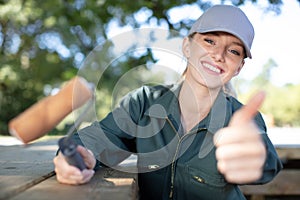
(212,68)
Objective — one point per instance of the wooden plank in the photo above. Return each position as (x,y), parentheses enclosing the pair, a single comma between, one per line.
(286,153)
(107,184)
(24,166)
(287,182)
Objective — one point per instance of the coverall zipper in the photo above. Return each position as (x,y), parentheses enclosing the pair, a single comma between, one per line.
(176,152)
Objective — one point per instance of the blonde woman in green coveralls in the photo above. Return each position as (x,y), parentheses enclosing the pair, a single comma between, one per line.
(192,140)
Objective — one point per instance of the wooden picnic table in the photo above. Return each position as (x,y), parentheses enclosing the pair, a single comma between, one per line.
(26,173)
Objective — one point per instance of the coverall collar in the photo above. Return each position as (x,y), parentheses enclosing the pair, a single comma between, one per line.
(167,106)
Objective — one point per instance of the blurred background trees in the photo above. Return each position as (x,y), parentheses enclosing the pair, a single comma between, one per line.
(43,44)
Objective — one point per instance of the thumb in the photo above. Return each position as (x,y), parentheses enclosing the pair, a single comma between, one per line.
(87,156)
(249,110)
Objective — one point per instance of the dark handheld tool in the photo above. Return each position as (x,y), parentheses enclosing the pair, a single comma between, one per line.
(68,146)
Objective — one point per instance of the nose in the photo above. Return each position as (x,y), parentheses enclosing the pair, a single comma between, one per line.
(218,54)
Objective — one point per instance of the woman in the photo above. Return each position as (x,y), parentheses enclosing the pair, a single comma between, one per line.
(192,140)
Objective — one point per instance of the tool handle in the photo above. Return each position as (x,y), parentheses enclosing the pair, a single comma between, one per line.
(43,116)
(68,148)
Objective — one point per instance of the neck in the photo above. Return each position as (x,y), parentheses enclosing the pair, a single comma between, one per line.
(196,98)
(195,103)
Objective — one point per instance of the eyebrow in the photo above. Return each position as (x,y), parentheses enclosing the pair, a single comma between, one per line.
(239,44)
(217,33)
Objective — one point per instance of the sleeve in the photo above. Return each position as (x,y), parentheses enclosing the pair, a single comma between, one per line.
(113,138)
(272,164)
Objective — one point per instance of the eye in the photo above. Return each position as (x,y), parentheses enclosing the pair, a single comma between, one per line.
(235,52)
(209,41)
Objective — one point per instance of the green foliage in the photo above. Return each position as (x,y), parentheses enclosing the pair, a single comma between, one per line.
(282,103)
(43,43)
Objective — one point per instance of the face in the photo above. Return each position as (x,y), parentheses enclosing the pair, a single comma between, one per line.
(213,58)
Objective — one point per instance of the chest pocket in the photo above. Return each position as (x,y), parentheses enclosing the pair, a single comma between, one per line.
(196,182)
(198,176)
(204,171)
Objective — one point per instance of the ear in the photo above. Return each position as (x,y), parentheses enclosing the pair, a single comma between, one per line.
(239,68)
(186,47)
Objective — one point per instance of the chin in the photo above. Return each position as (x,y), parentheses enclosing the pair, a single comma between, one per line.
(213,85)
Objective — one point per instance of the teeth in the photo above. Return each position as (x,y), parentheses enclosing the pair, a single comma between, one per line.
(212,68)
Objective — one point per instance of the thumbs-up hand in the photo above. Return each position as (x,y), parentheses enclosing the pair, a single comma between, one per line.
(240,150)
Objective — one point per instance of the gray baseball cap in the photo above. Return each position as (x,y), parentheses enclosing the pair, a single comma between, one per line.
(226,18)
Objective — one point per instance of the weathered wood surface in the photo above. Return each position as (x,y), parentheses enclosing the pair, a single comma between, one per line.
(287,182)
(105,185)
(288,153)
(26,173)
(23,166)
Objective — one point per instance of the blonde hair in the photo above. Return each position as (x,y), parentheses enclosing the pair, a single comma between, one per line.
(229,89)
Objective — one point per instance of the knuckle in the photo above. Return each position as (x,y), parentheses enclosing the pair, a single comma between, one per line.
(221,166)
(55,160)
(257,174)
